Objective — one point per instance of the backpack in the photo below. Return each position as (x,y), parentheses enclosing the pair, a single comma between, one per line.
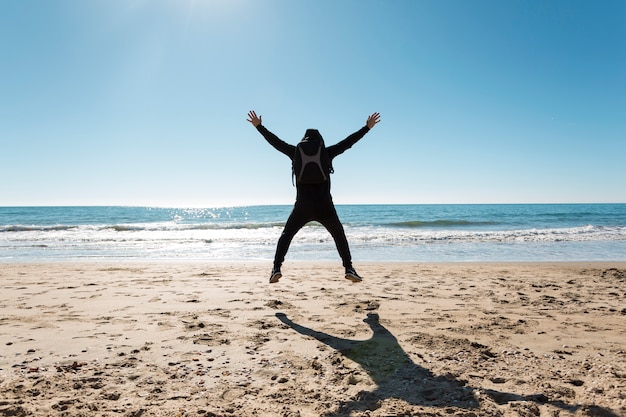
(311,163)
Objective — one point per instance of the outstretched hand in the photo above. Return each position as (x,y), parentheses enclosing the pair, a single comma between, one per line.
(372,120)
(252,118)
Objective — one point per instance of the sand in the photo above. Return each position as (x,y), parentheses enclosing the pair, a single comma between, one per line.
(174,339)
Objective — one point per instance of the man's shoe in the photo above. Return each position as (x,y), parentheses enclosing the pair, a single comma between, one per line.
(352,275)
(276,274)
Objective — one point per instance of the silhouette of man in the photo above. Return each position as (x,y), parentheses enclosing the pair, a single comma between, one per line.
(313,201)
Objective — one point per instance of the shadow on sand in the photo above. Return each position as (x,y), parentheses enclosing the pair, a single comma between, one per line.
(397,376)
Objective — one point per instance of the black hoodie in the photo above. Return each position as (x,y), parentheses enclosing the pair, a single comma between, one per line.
(313,192)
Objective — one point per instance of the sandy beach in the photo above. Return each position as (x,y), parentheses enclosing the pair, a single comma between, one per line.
(192,339)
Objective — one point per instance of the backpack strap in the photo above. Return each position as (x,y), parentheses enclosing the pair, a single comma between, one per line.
(305,159)
(316,159)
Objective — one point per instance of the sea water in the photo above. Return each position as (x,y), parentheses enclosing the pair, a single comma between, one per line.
(420,233)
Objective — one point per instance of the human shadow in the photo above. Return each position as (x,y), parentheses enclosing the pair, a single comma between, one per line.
(396,375)
(391,369)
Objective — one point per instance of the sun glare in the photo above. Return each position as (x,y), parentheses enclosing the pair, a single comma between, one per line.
(209,9)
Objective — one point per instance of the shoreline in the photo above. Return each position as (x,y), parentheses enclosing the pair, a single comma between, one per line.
(214,338)
(300,262)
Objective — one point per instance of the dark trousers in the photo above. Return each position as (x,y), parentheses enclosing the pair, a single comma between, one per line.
(304,212)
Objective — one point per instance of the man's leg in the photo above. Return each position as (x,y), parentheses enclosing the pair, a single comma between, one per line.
(330,220)
(297,219)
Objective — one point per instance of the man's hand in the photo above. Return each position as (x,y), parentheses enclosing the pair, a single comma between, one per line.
(252,118)
(372,120)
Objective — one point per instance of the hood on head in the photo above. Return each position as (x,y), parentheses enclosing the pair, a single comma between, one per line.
(312,134)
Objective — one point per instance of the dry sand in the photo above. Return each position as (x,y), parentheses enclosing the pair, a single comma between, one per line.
(168,339)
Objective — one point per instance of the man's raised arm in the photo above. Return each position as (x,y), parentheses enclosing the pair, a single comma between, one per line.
(273,140)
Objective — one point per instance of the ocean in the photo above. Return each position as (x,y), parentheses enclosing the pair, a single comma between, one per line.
(389,233)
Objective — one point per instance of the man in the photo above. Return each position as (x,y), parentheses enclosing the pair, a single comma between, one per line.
(313,201)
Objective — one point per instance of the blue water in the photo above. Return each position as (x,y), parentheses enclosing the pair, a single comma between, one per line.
(422,233)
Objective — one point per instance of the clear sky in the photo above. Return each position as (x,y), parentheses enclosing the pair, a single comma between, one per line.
(129,102)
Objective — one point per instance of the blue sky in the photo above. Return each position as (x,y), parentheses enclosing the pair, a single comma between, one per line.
(132,102)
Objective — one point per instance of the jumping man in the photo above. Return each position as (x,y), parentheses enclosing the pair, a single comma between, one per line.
(313,199)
